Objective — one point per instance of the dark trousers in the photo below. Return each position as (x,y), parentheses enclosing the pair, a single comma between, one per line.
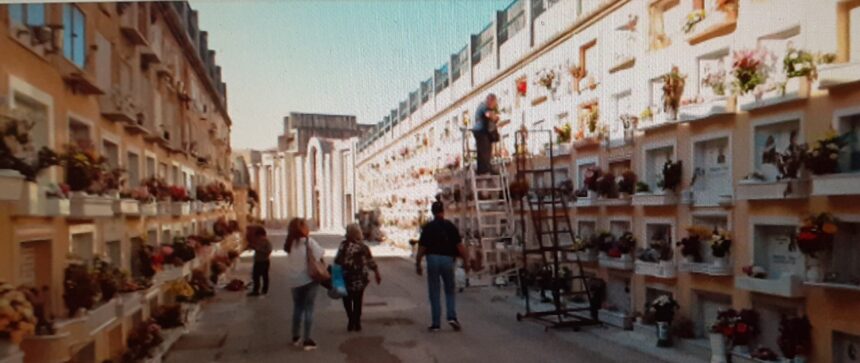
(352,304)
(260,271)
(485,151)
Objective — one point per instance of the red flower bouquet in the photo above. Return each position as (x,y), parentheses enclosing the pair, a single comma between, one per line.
(816,234)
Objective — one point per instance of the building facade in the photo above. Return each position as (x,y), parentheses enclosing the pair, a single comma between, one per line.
(714,84)
(138,83)
(311,173)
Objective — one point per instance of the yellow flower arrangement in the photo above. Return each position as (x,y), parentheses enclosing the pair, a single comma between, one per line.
(17,320)
(181,288)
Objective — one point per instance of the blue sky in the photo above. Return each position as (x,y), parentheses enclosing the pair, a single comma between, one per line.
(345,57)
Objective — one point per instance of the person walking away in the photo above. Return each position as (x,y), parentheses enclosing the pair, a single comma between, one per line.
(485,132)
(355,258)
(304,289)
(441,243)
(259,242)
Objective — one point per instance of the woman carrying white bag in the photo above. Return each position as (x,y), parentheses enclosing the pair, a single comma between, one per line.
(306,271)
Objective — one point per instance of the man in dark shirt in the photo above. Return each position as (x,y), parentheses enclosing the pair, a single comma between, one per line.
(486,118)
(441,242)
(258,242)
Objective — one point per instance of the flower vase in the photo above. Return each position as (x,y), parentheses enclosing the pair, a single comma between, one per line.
(720,262)
(626,257)
(664,336)
(799,359)
(718,348)
(814,270)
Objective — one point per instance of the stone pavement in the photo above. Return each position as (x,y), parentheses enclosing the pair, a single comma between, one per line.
(234,328)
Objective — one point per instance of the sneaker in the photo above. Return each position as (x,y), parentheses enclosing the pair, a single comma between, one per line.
(433,329)
(310,345)
(455,324)
(297,342)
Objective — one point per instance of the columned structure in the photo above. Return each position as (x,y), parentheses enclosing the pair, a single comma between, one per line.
(310,173)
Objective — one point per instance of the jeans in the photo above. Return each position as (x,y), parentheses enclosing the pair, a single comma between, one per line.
(260,271)
(352,304)
(484,149)
(303,308)
(441,267)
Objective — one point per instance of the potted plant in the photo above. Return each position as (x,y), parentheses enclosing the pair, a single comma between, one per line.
(663,309)
(721,245)
(795,338)
(815,240)
(673,89)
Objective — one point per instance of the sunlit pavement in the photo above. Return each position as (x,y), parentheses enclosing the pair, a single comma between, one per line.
(234,328)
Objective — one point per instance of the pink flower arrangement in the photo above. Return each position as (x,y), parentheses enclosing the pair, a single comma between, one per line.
(751,68)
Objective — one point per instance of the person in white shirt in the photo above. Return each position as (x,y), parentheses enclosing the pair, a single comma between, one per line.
(304,288)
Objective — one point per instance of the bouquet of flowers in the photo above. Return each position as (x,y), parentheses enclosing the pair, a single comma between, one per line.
(799,63)
(140,194)
(548,79)
(646,114)
(673,88)
(824,157)
(109,278)
(795,336)
(691,247)
(715,80)
(739,327)
(148,262)
(625,244)
(182,290)
(81,289)
(721,244)
(693,18)
(592,174)
(178,194)
(84,168)
(604,241)
(816,234)
(17,151)
(750,68)
(562,134)
(17,319)
(158,189)
(606,185)
(182,249)
(671,175)
(627,182)
(664,308)
(142,341)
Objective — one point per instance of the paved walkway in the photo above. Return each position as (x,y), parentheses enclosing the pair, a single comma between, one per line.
(234,328)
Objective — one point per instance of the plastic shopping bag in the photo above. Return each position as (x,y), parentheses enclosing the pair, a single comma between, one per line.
(338,285)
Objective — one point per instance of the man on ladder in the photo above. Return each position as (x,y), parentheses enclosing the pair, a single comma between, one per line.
(486,133)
